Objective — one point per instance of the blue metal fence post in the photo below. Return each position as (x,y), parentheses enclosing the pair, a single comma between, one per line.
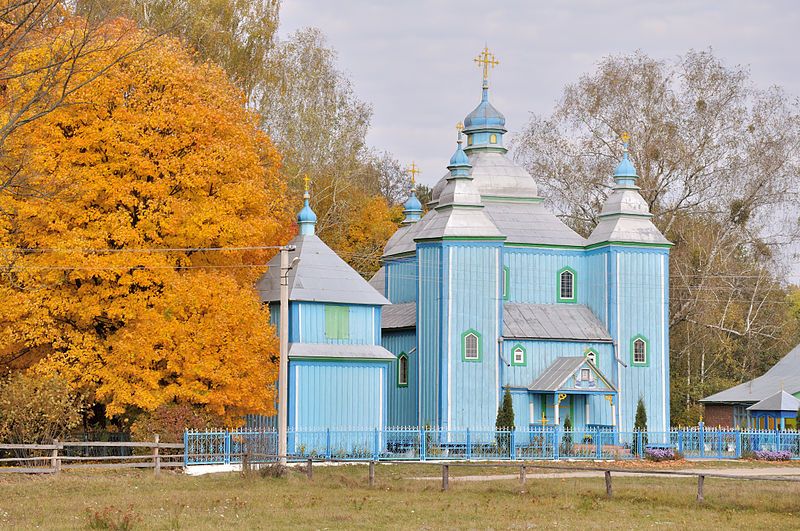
(640,444)
(779,440)
(469,446)
(226,451)
(738,444)
(702,439)
(422,444)
(598,442)
(376,449)
(328,443)
(556,442)
(513,449)
(185,447)
(680,440)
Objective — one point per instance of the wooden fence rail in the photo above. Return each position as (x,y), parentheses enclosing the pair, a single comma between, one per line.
(54,460)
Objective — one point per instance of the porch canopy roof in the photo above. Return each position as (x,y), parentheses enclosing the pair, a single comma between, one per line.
(562,376)
(780,402)
(299,351)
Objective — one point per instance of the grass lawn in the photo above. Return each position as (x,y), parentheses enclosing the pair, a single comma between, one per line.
(339,497)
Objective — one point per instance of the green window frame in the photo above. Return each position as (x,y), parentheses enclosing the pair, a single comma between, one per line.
(640,345)
(592,355)
(402,370)
(506,282)
(514,351)
(567,285)
(337,322)
(471,346)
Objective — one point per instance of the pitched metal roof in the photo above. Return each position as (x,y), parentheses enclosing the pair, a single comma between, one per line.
(324,350)
(530,222)
(403,315)
(378,281)
(780,401)
(556,375)
(320,276)
(785,374)
(552,321)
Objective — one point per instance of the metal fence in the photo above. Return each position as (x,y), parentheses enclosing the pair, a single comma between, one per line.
(431,444)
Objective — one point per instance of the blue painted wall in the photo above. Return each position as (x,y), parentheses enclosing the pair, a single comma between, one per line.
(337,394)
(533,273)
(402,401)
(401,280)
(473,301)
(429,329)
(638,305)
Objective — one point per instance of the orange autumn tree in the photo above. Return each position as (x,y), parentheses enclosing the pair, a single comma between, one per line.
(154,157)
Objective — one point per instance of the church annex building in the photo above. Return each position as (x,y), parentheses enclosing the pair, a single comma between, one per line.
(486,290)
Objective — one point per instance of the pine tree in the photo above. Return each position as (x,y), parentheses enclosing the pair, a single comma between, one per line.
(640,423)
(505,414)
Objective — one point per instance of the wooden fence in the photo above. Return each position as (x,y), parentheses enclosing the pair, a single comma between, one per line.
(54,457)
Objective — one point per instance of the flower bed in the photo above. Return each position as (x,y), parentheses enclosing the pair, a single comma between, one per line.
(659,454)
(773,455)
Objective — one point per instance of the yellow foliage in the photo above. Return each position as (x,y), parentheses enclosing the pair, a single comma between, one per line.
(158,153)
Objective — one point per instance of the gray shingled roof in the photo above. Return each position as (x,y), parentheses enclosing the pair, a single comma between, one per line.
(403,315)
(780,401)
(552,321)
(324,350)
(785,374)
(530,222)
(556,375)
(319,276)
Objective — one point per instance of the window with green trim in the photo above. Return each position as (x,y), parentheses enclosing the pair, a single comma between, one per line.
(337,322)
(567,287)
(640,354)
(402,370)
(519,356)
(591,355)
(506,282)
(471,349)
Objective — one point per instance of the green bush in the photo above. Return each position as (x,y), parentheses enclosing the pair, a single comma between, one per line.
(37,409)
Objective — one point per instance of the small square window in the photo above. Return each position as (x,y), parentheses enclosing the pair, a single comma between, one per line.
(519,356)
(586,375)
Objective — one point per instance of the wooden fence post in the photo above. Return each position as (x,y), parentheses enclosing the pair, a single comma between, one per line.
(445,477)
(609,491)
(156,456)
(310,468)
(55,462)
(372,473)
(522,475)
(700,480)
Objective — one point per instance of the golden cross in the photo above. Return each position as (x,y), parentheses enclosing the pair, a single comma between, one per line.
(486,59)
(414,171)
(625,136)
(459,127)
(306,179)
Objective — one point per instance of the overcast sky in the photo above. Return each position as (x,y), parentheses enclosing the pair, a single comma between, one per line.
(412,60)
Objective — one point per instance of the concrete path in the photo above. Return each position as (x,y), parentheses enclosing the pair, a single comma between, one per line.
(743,472)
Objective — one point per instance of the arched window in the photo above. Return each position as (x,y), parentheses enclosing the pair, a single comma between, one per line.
(402,370)
(639,354)
(471,345)
(519,355)
(566,285)
(591,355)
(493,139)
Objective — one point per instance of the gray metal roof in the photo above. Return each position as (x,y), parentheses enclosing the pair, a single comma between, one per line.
(324,350)
(403,315)
(552,321)
(780,401)
(378,281)
(556,375)
(626,217)
(320,276)
(530,222)
(785,374)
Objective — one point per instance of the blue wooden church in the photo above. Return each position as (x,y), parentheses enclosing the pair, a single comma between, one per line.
(486,290)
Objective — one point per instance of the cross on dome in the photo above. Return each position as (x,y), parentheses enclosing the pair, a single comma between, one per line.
(414,171)
(485,60)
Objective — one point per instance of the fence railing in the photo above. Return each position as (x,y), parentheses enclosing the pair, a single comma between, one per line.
(64,455)
(431,444)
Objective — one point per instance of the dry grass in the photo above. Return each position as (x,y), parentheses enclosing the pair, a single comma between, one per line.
(338,497)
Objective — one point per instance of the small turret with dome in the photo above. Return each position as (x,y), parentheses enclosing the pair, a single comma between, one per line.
(412,208)
(485,125)
(625,216)
(306,218)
